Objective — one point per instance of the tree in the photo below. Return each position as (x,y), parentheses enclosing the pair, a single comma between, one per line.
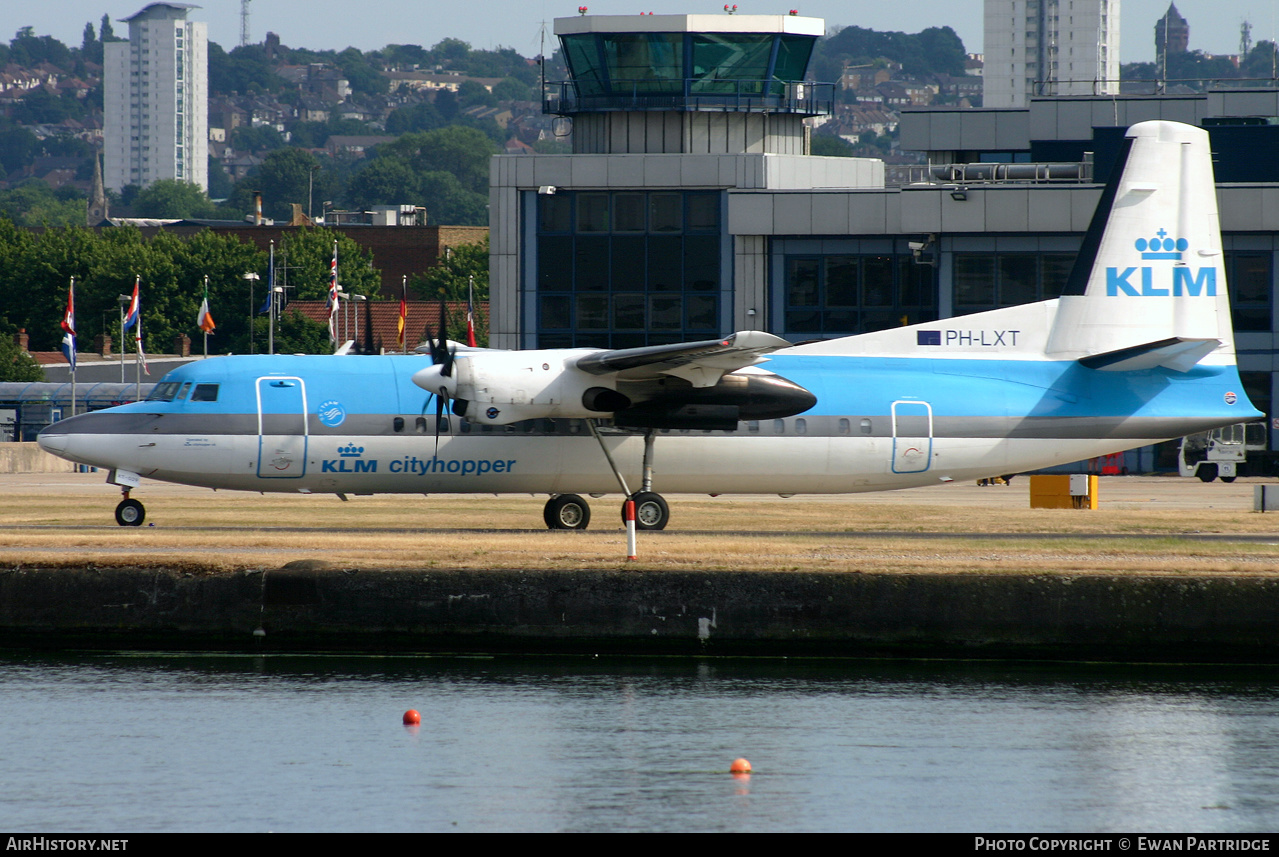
(415,117)
(450,51)
(32,203)
(462,152)
(451,277)
(285,177)
(172,198)
(262,138)
(383,181)
(297,334)
(831,146)
(472,93)
(510,89)
(362,76)
(15,363)
(309,254)
(447,201)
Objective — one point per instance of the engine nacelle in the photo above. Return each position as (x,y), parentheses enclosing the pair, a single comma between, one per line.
(501,388)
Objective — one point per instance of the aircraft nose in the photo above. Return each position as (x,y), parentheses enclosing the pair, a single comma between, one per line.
(52,440)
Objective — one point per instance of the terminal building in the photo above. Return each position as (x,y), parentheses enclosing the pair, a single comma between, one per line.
(690,206)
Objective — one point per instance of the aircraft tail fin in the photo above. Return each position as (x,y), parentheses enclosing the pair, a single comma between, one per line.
(1149,287)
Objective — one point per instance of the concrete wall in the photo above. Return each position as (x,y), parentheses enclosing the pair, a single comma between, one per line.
(30,458)
(304,606)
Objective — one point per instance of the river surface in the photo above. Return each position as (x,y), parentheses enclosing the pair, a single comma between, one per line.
(130,742)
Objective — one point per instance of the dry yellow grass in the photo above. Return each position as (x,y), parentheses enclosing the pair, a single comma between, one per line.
(66,519)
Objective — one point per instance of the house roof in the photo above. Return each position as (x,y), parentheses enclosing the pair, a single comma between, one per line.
(379,320)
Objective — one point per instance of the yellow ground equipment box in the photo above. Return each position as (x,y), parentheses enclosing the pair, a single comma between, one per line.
(1063,491)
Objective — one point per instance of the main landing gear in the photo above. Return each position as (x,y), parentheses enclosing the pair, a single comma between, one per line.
(571,511)
(130,513)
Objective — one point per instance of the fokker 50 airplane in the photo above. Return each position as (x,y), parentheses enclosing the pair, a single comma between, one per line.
(1139,349)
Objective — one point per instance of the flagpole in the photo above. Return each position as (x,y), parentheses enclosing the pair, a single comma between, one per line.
(137,356)
(71,312)
(270,301)
(404,314)
(206,305)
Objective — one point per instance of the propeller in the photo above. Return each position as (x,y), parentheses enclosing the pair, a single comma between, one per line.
(438,378)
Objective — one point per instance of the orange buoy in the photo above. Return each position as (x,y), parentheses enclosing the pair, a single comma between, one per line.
(740,766)
(412,718)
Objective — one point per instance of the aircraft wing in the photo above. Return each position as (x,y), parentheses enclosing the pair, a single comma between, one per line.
(700,363)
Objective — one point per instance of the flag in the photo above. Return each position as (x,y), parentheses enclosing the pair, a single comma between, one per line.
(404,314)
(68,327)
(137,338)
(333,296)
(131,317)
(470,311)
(205,320)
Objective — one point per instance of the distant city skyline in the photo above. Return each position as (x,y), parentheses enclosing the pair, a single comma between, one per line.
(330,24)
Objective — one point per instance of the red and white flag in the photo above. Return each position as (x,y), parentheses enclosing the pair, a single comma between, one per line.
(333,296)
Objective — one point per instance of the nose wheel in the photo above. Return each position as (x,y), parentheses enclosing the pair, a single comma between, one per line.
(130,513)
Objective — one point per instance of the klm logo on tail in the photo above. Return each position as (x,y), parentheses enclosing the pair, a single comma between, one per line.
(1184,282)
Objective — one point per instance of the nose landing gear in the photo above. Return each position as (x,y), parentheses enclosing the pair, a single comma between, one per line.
(130,513)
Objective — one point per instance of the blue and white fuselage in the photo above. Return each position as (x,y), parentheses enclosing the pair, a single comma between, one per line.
(1138,349)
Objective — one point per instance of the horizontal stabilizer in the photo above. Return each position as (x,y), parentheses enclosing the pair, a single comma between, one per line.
(1177,353)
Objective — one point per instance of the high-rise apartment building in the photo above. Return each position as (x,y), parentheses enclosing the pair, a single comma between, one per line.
(1049,47)
(156,100)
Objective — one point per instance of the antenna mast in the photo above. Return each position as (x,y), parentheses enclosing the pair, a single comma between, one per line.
(244,22)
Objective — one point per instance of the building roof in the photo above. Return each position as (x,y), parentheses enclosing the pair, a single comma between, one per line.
(180,7)
(690,24)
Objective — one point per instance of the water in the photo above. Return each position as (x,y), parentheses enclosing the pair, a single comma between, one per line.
(137,743)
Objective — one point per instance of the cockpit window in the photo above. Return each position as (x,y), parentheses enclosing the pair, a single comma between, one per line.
(205,393)
(182,394)
(164,391)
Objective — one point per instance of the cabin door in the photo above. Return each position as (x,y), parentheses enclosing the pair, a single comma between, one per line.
(912,436)
(282,430)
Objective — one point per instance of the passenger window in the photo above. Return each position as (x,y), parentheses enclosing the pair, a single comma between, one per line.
(865,426)
(752,426)
(466,427)
(419,425)
(844,427)
(398,424)
(779,426)
(205,393)
(801,426)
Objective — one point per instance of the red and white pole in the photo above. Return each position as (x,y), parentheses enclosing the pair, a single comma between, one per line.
(628,512)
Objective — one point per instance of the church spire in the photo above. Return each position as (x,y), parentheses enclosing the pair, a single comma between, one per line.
(97,196)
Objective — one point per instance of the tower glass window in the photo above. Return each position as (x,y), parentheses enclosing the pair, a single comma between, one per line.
(628,268)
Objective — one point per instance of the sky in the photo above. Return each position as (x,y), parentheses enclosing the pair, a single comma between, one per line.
(372,24)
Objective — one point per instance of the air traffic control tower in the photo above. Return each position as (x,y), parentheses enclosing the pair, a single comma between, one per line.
(629,240)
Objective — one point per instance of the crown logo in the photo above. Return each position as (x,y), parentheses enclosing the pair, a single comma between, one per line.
(350,451)
(1161,246)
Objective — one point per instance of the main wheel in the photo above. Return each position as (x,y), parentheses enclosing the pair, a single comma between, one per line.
(130,513)
(566,512)
(1207,472)
(1228,478)
(651,511)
